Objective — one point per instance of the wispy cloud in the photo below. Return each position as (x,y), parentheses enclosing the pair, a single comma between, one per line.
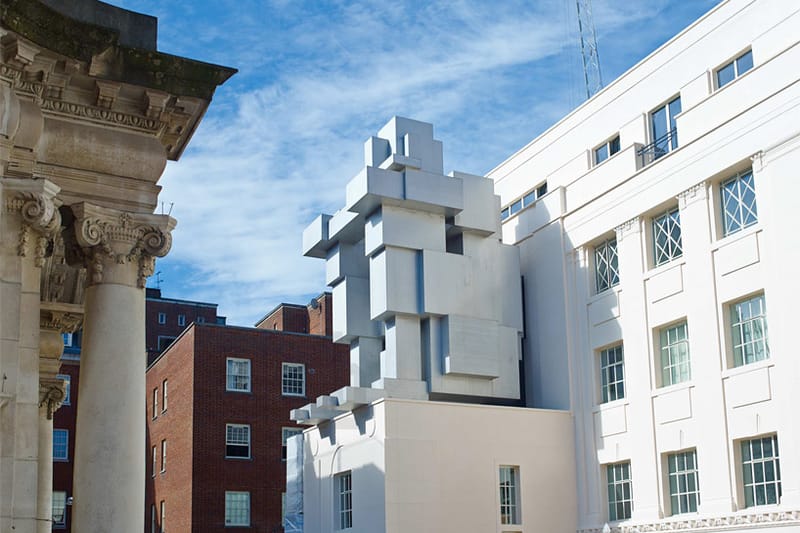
(283,137)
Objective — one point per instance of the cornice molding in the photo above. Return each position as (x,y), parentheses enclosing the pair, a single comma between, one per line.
(719,523)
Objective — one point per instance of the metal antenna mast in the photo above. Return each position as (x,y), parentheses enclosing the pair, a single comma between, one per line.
(591,59)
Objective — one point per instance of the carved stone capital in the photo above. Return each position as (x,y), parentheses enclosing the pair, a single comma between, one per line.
(36,205)
(116,246)
(692,194)
(628,227)
(51,395)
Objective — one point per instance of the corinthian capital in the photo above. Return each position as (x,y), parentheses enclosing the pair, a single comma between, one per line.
(116,246)
(51,395)
(35,205)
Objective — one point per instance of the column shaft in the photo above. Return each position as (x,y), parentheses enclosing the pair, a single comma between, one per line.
(44,502)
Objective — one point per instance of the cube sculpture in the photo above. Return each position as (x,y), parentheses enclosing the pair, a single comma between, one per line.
(424,292)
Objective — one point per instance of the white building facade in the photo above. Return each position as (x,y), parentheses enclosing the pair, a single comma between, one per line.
(660,266)
(658,253)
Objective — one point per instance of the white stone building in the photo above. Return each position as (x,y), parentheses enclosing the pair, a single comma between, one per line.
(659,253)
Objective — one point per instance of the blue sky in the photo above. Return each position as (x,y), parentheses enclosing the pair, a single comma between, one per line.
(317,78)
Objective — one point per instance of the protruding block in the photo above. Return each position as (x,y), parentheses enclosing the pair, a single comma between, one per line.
(315,237)
(470,346)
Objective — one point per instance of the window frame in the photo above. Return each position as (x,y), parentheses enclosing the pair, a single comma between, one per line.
(606,385)
(228,375)
(674,248)
(612,147)
(508,484)
(611,277)
(67,338)
(730,224)
(229,508)
(62,523)
(737,72)
(287,432)
(154,466)
(687,473)
(162,318)
(155,403)
(181,320)
(163,455)
(670,137)
(289,382)
(737,358)
(343,500)
(612,481)
(774,460)
(163,513)
(164,396)
(665,366)
(228,443)
(61,458)
(67,385)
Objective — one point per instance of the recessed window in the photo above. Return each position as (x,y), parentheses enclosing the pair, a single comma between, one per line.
(675,365)
(606,150)
(67,339)
(164,395)
(515,207)
(200,320)
(606,265)
(343,487)
(237,441)
(730,71)
(664,129)
(164,455)
(667,244)
(153,519)
(155,403)
(164,342)
(163,516)
(155,461)
(761,471)
(684,486)
(237,508)
(60,445)
(620,497)
(162,318)
(59,509)
(181,320)
(293,379)
(238,375)
(612,374)
(285,434)
(749,330)
(509,495)
(541,190)
(738,196)
(67,381)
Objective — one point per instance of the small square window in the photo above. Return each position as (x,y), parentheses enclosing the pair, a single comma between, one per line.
(620,488)
(343,486)
(761,471)
(606,150)
(509,495)
(285,434)
(749,330)
(667,243)
(675,364)
(59,509)
(612,374)
(293,380)
(181,320)
(60,445)
(684,486)
(162,318)
(237,508)
(238,375)
(237,441)
(67,381)
(200,320)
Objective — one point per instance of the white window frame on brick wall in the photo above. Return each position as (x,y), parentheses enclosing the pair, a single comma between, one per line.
(237,374)
(155,403)
(163,516)
(293,379)
(237,437)
(619,491)
(163,455)
(61,445)
(343,496)
(181,320)
(237,508)
(761,471)
(59,509)
(162,318)
(509,495)
(164,395)
(683,482)
(155,461)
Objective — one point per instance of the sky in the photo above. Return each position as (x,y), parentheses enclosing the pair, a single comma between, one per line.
(316,78)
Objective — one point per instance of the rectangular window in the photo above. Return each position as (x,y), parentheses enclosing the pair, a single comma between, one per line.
(738,203)
(164,455)
(504,214)
(237,508)
(509,495)
(730,71)
(612,374)
(155,403)
(163,395)
(60,445)
(181,320)
(684,486)
(285,434)
(620,498)
(164,342)
(293,380)
(237,441)
(155,461)
(749,330)
(238,375)
(606,265)
(664,130)
(67,381)
(162,318)
(606,150)
(675,365)
(515,207)
(163,516)
(667,237)
(343,485)
(67,339)
(59,509)
(200,320)
(761,471)
(541,190)
(153,519)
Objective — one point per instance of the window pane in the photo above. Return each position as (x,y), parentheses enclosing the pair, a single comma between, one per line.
(601,154)
(237,508)
(725,75)
(744,63)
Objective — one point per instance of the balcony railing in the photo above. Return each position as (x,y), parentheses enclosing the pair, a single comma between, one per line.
(661,146)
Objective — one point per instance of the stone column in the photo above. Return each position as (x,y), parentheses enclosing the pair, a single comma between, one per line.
(55,319)
(118,249)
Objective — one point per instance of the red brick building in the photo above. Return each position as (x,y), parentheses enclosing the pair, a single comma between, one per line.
(218,414)
(165,319)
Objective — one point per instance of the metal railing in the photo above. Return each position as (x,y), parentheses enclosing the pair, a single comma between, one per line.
(661,146)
